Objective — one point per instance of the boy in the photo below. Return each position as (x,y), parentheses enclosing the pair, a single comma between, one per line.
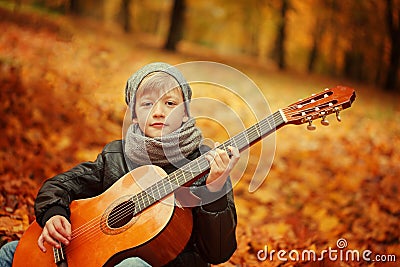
(162,133)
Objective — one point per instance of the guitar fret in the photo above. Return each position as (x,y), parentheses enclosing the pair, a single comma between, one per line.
(158,191)
(198,165)
(187,174)
(146,201)
(177,179)
(142,207)
(192,169)
(256,126)
(253,133)
(136,204)
(270,121)
(164,189)
(233,140)
(205,163)
(172,188)
(241,140)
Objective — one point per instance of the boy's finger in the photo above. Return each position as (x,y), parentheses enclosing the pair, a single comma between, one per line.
(48,239)
(56,232)
(223,155)
(41,244)
(67,227)
(64,228)
(234,152)
(210,156)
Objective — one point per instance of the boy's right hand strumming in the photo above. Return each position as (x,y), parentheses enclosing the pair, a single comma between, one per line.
(56,230)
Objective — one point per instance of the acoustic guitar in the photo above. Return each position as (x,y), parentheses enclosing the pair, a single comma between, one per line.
(139,215)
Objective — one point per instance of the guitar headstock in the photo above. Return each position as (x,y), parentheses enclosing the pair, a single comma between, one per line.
(331,100)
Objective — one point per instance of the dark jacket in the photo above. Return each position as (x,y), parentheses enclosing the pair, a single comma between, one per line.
(213,238)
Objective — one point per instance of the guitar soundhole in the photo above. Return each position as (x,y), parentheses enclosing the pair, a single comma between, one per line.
(121,214)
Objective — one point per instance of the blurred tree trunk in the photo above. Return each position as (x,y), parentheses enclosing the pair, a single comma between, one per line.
(317,36)
(74,6)
(394,35)
(126,15)
(353,64)
(380,64)
(334,30)
(313,55)
(281,34)
(176,25)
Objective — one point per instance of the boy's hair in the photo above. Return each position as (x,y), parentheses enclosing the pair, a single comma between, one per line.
(160,81)
(133,83)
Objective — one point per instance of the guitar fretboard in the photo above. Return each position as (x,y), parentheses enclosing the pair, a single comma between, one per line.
(200,165)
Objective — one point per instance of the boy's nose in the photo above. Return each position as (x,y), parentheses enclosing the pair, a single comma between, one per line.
(158,110)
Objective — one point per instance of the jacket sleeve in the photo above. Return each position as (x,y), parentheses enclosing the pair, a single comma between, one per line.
(56,194)
(215,225)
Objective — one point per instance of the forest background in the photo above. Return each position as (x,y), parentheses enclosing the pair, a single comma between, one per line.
(63,65)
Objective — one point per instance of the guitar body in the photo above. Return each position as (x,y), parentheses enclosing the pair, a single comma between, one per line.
(157,234)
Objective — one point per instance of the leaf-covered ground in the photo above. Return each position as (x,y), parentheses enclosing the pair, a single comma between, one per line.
(62,82)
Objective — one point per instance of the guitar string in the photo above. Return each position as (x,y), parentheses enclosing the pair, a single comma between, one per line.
(253,130)
(249,132)
(129,209)
(139,199)
(92,235)
(86,237)
(82,229)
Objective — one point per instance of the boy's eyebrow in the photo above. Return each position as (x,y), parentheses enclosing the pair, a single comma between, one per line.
(170,96)
(163,96)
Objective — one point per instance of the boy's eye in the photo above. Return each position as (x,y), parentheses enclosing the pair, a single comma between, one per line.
(171,103)
(147,104)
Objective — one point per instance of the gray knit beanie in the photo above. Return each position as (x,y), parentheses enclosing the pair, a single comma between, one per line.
(134,81)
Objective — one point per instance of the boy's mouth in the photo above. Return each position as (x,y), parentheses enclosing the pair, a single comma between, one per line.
(157,124)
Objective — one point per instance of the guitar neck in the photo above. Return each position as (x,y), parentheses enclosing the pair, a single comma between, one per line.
(196,168)
(255,133)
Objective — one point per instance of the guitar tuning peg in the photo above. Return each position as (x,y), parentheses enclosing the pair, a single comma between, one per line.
(324,121)
(338,116)
(310,126)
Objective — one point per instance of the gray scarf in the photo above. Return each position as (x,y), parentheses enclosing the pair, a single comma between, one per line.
(161,151)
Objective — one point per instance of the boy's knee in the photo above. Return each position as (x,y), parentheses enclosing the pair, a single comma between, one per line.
(7,253)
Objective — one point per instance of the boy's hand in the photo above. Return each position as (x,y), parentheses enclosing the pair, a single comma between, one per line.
(220,167)
(57,229)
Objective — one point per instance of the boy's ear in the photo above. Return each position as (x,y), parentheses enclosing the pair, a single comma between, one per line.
(185,118)
(134,120)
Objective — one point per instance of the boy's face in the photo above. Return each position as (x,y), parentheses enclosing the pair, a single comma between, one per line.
(159,112)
